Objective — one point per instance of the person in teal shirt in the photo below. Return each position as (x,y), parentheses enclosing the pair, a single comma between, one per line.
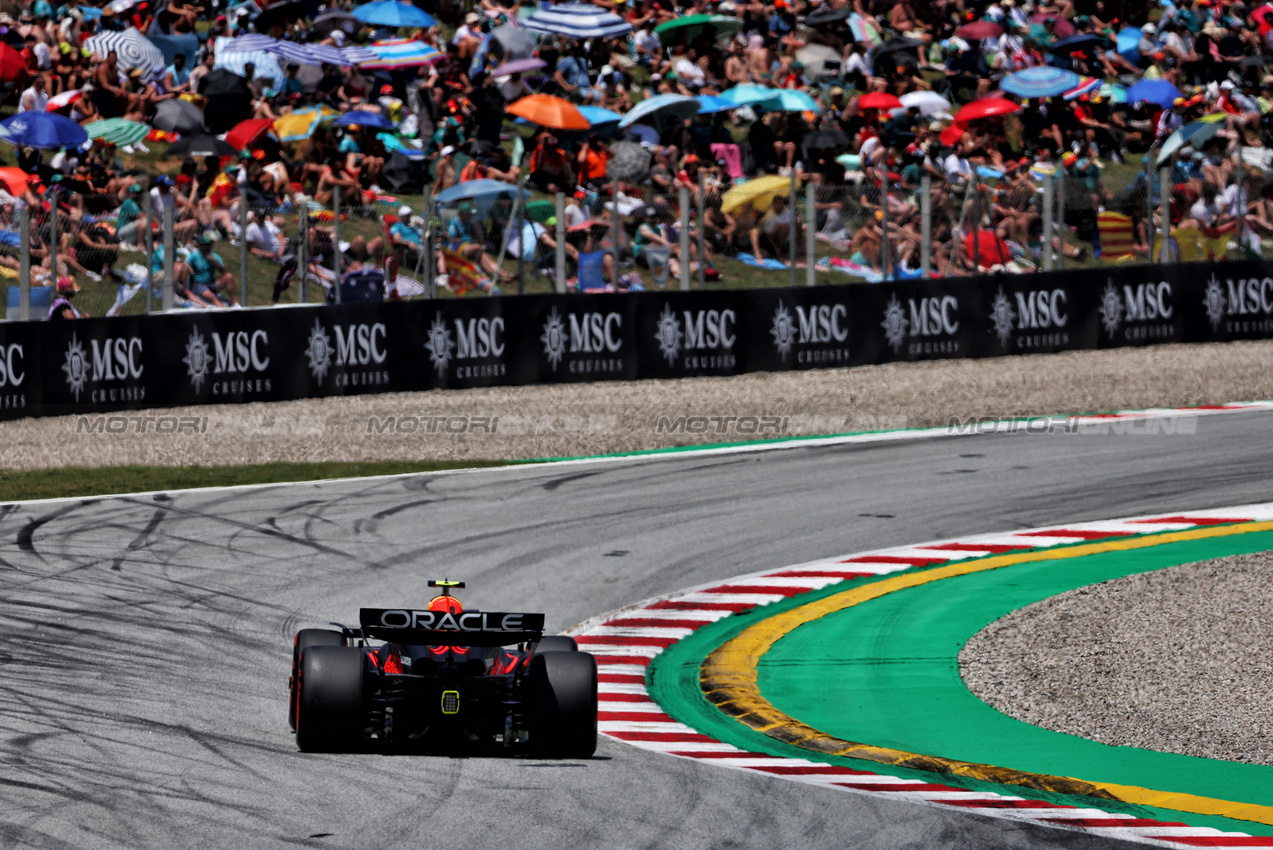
(129,219)
(209,278)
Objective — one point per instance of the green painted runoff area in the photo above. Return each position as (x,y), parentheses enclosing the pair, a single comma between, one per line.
(885,672)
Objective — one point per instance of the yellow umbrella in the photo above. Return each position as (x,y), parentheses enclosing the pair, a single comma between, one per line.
(301,124)
(759,192)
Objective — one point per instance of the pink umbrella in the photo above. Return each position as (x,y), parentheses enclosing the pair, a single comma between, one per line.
(519,66)
(1063,29)
(978,30)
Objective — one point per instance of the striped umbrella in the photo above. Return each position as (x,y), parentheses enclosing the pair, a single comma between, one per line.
(356,55)
(132,48)
(264,65)
(302,54)
(245,43)
(400,53)
(578,20)
(1044,81)
(117,131)
(1086,85)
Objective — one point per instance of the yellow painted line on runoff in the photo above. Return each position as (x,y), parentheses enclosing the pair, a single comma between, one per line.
(729,679)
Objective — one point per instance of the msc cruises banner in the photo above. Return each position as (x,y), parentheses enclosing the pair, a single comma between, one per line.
(206,357)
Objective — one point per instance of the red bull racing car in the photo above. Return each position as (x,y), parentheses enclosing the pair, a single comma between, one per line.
(440,678)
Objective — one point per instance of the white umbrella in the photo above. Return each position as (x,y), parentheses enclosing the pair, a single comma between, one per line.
(819,61)
(929,103)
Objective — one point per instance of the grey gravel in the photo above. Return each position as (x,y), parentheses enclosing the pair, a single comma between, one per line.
(1178,660)
(581,419)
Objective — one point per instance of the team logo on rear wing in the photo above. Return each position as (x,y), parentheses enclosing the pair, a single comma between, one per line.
(389,619)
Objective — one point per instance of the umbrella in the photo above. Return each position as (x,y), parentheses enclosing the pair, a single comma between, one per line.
(746,94)
(1160,92)
(400,53)
(264,65)
(201,144)
(329,21)
(1043,81)
(1195,133)
(710,103)
(978,30)
(596,115)
(820,140)
(689,28)
(985,108)
(63,100)
(119,131)
(229,99)
(1127,43)
(517,43)
(893,45)
(929,102)
(178,116)
(1062,28)
(12,66)
(1073,43)
(15,180)
(864,29)
(674,104)
(825,15)
(820,60)
(279,13)
(549,111)
(475,189)
(247,132)
(577,21)
(301,124)
(46,130)
(590,224)
(629,161)
(132,49)
(879,100)
(759,193)
(792,100)
(519,66)
(392,13)
(1086,85)
(363,118)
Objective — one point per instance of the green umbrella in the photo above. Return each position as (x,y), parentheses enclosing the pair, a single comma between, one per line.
(687,29)
(540,210)
(118,131)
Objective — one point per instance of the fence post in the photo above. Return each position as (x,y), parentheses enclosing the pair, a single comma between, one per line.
(792,210)
(53,273)
(976,229)
(302,257)
(810,234)
(685,237)
(1045,257)
(614,229)
(1164,215)
(885,260)
(24,264)
(1059,221)
(1237,203)
(426,249)
(926,227)
(148,212)
(521,236)
(959,229)
(336,239)
(243,248)
(1149,206)
(702,248)
(560,263)
(170,249)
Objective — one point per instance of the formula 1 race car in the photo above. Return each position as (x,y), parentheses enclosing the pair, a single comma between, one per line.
(443,677)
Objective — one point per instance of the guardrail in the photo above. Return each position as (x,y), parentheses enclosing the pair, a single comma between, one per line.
(204,357)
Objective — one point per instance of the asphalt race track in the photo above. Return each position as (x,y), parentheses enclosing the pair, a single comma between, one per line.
(147,641)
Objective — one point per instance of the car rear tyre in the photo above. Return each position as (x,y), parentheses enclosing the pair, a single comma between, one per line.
(556,643)
(329,707)
(564,702)
(306,638)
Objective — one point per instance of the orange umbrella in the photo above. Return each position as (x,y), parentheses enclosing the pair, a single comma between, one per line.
(548,111)
(15,180)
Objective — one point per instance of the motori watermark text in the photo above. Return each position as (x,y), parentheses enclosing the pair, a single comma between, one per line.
(721,425)
(433,424)
(141,424)
(1086,426)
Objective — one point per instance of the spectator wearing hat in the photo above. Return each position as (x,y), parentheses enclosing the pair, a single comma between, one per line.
(406,240)
(464,238)
(445,171)
(61,306)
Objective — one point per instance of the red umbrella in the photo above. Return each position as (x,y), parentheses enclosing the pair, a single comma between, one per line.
(64,99)
(985,108)
(879,100)
(246,132)
(987,249)
(12,66)
(15,180)
(978,30)
(951,134)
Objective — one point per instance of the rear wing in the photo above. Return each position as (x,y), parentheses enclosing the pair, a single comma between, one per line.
(442,628)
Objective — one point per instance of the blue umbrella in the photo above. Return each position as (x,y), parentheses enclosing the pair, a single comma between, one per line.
(392,13)
(1040,82)
(1074,42)
(46,130)
(791,100)
(363,118)
(710,103)
(596,115)
(1128,43)
(475,189)
(676,104)
(1160,92)
(746,94)
(577,21)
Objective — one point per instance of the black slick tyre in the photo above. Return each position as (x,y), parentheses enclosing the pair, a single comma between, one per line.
(564,704)
(556,643)
(329,706)
(306,638)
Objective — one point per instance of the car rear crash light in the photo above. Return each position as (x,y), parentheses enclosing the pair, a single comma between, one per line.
(450,702)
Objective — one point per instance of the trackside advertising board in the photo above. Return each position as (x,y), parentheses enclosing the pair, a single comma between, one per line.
(206,357)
